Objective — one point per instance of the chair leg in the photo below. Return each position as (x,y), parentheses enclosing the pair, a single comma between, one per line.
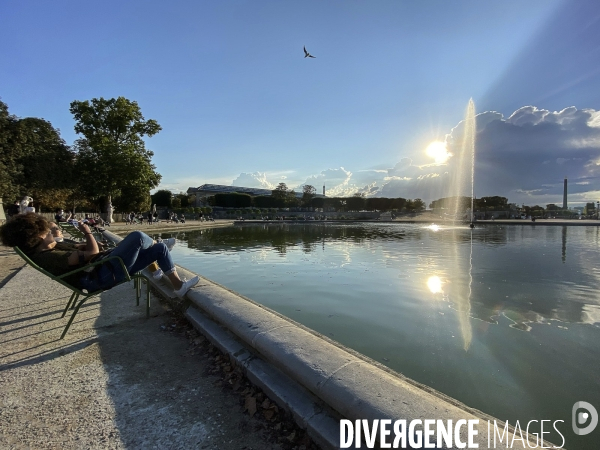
(147,299)
(73,299)
(73,317)
(138,290)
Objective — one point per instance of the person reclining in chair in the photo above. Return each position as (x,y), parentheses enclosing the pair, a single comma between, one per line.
(33,235)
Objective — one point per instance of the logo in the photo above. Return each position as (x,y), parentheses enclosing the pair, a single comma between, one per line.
(579,418)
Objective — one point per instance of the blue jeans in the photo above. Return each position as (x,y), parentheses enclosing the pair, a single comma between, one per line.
(137,251)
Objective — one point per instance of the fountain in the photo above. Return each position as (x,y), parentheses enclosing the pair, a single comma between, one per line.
(462,187)
(462,180)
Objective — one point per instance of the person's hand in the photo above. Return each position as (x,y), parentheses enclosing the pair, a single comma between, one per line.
(84,228)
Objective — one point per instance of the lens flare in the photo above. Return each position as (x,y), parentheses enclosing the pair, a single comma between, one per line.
(438,151)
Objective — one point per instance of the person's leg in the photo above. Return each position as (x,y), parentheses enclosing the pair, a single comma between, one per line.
(160,253)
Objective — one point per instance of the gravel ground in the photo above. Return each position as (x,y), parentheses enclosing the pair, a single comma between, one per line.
(119,380)
(10,263)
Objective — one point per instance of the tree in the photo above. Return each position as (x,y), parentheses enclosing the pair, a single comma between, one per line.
(418,205)
(280,195)
(47,163)
(318,202)
(176,202)
(356,202)
(10,153)
(280,192)
(233,200)
(112,155)
(308,193)
(34,160)
(162,197)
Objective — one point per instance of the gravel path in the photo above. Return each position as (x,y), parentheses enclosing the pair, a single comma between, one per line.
(119,380)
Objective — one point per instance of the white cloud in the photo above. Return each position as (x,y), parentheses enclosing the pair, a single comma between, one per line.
(253,180)
(523,157)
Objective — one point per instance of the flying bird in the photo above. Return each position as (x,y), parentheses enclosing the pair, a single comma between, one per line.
(308,55)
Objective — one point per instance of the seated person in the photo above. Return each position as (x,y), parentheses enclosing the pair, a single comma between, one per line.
(101,222)
(61,217)
(87,219)
(182,218)
(32,234)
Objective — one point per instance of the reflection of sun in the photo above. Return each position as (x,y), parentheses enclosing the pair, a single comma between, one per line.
(435,285)
(438,151)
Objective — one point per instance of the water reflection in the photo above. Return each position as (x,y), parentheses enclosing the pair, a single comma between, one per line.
(443,305)
(434,284)
(489,272)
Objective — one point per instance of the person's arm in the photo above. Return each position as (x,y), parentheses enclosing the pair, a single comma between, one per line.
(90,249)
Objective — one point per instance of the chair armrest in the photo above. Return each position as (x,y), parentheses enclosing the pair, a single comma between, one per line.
(97,263)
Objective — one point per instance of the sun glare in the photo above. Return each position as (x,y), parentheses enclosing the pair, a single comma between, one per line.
(438,151)
(435,285)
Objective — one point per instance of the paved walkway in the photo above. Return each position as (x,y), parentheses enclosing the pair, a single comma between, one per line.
(118,380)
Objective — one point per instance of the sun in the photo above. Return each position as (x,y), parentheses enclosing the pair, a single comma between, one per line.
(438,151)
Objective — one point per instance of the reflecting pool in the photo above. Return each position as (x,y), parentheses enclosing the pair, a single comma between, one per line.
(504,319)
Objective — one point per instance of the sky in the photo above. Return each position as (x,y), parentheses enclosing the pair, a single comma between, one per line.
(239,104)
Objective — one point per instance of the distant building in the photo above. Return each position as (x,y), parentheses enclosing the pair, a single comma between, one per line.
(208,190)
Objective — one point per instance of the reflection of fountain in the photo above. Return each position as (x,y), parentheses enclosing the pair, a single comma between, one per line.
(564,244)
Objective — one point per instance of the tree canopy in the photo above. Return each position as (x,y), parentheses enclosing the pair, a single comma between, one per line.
(34,160)
(112,155)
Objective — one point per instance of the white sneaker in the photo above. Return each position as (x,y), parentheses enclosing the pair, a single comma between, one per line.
(157,275)
(170,243)
(186,286)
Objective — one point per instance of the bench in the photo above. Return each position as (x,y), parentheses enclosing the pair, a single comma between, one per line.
(76,292)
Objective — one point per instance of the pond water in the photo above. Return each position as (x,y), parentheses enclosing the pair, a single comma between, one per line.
(503,318)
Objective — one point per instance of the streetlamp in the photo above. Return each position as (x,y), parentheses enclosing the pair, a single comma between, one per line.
(597,209)
(484,209)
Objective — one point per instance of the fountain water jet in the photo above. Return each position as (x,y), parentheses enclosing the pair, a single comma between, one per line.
(463,179)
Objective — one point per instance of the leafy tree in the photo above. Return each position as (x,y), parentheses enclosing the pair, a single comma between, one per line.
(291,199)
(112,155)
(356,202)
(133,198)
(47,163)
(34,160)
(318,202)
(264,201)
(233,200)
(183,199)
(176,202)
(10,154)
(162,197)
(308,193)
(418,205)
(280,195)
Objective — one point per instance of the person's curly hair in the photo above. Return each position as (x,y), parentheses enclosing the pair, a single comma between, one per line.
(24,231)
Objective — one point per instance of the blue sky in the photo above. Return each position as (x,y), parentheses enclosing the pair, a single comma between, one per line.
(237,100)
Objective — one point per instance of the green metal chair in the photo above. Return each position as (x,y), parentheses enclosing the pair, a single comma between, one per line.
(75,233)
(76,292)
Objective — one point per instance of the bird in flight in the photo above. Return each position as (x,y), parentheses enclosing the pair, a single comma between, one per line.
(308,55)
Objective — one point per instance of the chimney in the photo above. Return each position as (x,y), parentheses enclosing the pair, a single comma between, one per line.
(565,195)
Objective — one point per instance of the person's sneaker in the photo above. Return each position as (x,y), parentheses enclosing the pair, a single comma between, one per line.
(157,275)
(186,286)
(170,243)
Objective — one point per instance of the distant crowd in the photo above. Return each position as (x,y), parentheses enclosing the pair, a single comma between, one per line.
(151,217)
